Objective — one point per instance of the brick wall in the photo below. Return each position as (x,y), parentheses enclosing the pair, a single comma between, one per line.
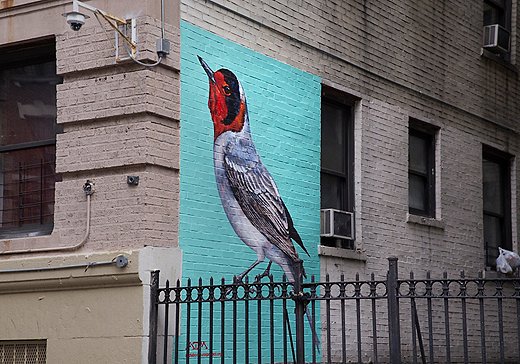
(118,120)
(403,60)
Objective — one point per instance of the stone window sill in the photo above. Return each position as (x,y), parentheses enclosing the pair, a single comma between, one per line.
(328,251)
(426,221)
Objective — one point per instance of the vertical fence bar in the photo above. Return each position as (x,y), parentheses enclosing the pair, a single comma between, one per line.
(211,299)
(154,310)
(463,293)
(223,293)
(271,316)
(285,318)
(327,308)
(429,289)
(419,334)
(234,298)
(446,294)
(188,320)
(259,321)
(480,293)
(499,294)
(300,313)
(313,307)
(373,294)
(246,321)
(411,288)
(357,293)
(177,319)
(343,321)
(199,322)
(394,330)
(166,320)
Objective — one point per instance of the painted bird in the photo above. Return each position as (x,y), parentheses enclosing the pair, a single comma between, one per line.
(247,191)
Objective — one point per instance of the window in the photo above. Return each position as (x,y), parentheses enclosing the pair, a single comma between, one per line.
(421,169)
(337,158)
(497,13)
(27,139)
(496,191)
(23,351)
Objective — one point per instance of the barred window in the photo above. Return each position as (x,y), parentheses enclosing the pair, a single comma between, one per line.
(27,139)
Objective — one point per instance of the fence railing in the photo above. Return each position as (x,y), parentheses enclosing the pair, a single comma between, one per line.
(391,320)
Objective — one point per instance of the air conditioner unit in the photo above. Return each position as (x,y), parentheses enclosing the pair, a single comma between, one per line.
(496,38)
(337,224)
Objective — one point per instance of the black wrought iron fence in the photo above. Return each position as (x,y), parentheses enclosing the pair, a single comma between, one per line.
(391,320)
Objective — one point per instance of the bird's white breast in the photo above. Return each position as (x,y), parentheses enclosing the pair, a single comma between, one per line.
(240,223)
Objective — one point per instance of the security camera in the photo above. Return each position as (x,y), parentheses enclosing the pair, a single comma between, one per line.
(75,19)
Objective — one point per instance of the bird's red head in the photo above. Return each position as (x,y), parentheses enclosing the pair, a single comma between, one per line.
(226,100)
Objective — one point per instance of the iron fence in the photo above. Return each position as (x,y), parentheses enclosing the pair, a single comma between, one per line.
(390,320)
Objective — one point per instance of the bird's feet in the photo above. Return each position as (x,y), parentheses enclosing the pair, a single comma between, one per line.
(238,281)
(259,277)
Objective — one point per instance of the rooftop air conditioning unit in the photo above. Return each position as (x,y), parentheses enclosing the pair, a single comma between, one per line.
(496,38)
(337,224)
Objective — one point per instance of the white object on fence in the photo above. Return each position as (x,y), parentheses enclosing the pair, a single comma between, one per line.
(507,261)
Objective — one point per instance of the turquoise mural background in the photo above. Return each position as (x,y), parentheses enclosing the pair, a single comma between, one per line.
(284,112)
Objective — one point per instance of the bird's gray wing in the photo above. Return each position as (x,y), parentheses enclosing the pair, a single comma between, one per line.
(257,195)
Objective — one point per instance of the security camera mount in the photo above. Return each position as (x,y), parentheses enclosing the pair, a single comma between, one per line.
(75,18)
(122,28)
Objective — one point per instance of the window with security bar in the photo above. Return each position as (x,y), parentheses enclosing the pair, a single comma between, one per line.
(27,139)
(23,352)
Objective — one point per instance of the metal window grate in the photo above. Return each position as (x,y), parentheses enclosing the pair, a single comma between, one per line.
(23,352)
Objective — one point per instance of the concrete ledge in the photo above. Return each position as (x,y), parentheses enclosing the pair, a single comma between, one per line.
(328,251)
(426,221)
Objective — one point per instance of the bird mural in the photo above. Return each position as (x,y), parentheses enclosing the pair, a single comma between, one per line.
(247,190)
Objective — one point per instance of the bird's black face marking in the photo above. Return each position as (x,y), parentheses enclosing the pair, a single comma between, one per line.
(232,92)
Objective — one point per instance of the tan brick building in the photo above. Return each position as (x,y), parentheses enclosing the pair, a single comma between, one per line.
(431,147)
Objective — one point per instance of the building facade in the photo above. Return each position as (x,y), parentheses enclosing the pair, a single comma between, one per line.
(402,116)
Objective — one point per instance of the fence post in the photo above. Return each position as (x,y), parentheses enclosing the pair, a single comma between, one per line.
(394,331)
(299,311)
(152,340)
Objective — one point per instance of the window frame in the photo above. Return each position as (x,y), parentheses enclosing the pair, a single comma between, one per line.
(506,7)
(504,160)
(16,56)
(340,99)
(429,133)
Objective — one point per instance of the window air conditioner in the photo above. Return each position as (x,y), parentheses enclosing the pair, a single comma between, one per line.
(496,38)
(337,224)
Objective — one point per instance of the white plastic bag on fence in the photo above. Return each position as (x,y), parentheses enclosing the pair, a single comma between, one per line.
(507,261)
(502,265)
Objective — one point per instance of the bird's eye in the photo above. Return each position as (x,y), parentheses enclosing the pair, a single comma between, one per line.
(227,90)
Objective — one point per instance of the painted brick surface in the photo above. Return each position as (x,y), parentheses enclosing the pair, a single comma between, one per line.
(284,111)
(284,106)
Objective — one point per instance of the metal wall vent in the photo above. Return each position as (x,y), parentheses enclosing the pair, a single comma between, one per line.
(23,352)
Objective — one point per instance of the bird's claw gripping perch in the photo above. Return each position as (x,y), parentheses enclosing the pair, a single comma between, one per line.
(266,273)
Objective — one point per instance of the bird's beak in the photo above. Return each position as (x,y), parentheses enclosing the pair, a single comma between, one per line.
(208,70)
